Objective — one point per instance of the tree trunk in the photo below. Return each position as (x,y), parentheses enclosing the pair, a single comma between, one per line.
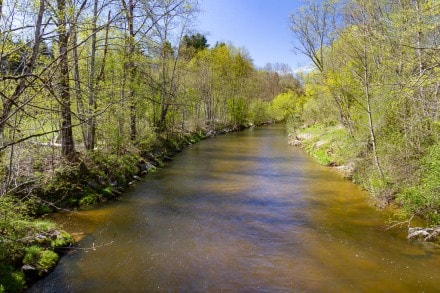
(131,68)
(91,109)
(77,89)
(370,113)
(1,9)
(67,143)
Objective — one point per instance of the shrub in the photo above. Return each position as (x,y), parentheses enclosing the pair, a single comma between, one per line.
(114,167)
(424,199)
(259,112)
(90,199)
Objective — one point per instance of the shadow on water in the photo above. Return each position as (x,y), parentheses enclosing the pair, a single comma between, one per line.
(242,212)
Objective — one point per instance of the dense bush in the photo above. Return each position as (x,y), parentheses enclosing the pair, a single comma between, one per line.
(424,198)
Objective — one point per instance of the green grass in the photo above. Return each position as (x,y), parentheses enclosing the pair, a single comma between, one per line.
(329,145)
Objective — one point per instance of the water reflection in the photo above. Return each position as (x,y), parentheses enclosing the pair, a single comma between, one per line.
(242,212)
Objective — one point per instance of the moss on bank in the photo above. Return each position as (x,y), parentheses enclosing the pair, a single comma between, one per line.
(29,247)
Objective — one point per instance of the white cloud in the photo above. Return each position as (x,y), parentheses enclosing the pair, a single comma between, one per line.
(304,69)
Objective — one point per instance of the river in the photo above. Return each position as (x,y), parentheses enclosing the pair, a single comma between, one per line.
(242,212)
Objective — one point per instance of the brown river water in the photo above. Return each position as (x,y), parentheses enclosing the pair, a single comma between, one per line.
(242,212)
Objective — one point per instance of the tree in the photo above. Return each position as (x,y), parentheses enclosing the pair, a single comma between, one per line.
(286,106)
(9,102)
(379,74)
(193,44)
(170,21)
(67,142)
(130,65)
(313,27)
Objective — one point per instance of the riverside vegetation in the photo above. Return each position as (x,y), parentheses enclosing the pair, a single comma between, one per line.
(372,102)
(95,94)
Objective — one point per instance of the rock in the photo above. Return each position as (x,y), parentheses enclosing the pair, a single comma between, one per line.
(135,177)
(294,142)
(41,236)
(304,136)
(150,166)
(93,184)
(425,234)
(142,166)
(167,158)
(210,133)
(28,268)
(346,170)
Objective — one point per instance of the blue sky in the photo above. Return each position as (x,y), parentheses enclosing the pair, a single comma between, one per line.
(261,26)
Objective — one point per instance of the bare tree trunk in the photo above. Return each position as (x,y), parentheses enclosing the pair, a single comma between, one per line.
(91,109)
(419,47)
(344,113)
(67,143)
(436,102)
(1,9)
(78,90)
(101,74)
(370,112)
(129,8)
(132,73)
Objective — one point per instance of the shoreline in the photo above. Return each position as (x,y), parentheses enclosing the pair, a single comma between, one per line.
(322,149)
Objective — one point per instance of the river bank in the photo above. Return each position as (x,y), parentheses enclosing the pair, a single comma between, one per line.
(36,246)
(332,146)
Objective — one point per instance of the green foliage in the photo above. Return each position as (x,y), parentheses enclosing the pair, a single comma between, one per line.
(90,199)
(15,224)
(196,137)
(22,240)
(319,106)
(424,199)
(239,110)
(259,112)
(286,106)
(11,280)
(192,44)
(42,260)
(114,167)
(321,155)
(64,185)
(107,192)
(41,225)
(62,240)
